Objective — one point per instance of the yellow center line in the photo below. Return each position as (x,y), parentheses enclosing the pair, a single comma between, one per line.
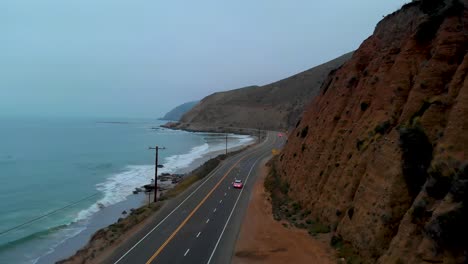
(193,212)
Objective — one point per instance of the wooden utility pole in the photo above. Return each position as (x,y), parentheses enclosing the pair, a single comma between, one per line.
(156,166)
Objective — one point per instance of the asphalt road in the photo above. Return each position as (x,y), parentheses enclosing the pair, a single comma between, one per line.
(202,224)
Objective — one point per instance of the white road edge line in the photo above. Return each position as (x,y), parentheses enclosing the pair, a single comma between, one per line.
(162,221)
(203,183)
(207,220)
(225,194)
(186,252)
(214,210)
(198,234)
(220,201)
(232,211)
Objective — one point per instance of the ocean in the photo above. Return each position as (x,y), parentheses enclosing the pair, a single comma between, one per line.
(50,163)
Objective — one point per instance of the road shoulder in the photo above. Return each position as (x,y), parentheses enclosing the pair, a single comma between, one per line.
(264,240)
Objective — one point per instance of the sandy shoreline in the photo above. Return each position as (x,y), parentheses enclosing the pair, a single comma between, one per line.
(110,214)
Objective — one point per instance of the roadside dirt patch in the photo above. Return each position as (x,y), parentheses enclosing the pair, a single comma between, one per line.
(264,240)
(254,255)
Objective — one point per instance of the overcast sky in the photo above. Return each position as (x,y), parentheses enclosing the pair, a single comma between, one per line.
(140,58)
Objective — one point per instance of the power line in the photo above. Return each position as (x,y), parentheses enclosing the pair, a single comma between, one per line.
(45,215)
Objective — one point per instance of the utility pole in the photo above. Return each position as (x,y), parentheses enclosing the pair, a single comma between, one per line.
(156,166)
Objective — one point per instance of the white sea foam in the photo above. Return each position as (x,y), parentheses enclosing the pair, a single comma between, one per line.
(177,162)
(119,186)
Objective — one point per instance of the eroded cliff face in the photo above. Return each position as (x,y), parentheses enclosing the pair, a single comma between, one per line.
(380,154)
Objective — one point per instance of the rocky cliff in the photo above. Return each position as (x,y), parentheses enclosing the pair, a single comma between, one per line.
(380,155)
(177,113)
(274,106)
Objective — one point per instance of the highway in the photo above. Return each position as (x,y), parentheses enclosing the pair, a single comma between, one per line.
(200,225)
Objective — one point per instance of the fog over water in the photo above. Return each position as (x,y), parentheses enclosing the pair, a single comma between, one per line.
(140,58)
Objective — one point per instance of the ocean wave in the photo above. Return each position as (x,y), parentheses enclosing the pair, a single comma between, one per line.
(234,141)
(64,231)
(117,187)
(32,236)
(177,162)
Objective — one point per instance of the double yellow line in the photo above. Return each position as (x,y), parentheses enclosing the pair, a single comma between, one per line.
(161,248)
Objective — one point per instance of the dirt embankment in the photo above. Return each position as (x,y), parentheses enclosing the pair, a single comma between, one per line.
(263,239)
(379,156)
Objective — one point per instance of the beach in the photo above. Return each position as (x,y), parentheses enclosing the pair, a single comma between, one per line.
(108,159)
(109,215)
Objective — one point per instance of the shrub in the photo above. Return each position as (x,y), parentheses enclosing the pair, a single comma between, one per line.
(419,211)
(351,213)
(430,6)
(304,131)
(449,230)
(359,144)
(459,188)
(425,105)
(427,30)
(297,206)
(364,106)
(318,228)
(284,188)
(416,157)
(436,12)
(440,180)
(336,241)
(455,9)
(382,128)
(352,82)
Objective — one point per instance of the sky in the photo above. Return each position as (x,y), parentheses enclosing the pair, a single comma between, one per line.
(141,58)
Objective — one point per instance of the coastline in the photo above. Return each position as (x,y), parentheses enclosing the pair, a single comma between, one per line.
(112,214)
(194,127)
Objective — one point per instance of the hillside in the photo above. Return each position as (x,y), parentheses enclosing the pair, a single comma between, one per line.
(380,156)
(177,113)
(273,106)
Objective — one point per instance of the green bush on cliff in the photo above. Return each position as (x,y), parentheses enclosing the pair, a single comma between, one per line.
(437,11)
(416,157)
(304,131)
(440,179)
(382,128)
(449,230)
